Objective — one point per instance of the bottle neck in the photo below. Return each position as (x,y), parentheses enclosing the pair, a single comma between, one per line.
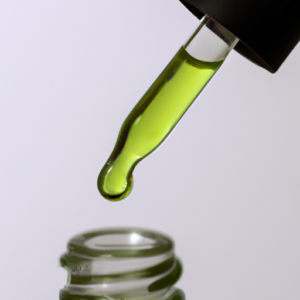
(120,263)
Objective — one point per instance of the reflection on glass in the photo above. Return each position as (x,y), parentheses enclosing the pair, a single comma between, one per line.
(121,263)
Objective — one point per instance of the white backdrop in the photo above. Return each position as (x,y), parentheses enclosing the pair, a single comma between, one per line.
(225,185)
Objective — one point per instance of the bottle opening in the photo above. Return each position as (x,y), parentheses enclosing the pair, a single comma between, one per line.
(120,241)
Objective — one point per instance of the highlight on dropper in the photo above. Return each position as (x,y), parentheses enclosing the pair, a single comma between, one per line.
(163,105)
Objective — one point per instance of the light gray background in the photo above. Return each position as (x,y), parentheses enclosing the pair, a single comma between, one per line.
(225,185)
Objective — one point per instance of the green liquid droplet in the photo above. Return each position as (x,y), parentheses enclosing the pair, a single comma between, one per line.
(152,119)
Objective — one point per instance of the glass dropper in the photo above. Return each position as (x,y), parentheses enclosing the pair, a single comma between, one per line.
(165,102)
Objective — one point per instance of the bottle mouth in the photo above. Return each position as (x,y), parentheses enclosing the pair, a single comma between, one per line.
(131,239)
(120,262)
(120,242)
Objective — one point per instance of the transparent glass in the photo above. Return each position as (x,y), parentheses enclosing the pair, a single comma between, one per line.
(166,101)
(121,263)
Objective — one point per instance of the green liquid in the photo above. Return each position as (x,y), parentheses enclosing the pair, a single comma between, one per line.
(152,119)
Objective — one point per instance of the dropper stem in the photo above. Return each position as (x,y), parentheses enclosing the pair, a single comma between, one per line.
(162,106)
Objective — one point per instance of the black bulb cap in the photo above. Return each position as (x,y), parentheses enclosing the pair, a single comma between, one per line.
(268,29)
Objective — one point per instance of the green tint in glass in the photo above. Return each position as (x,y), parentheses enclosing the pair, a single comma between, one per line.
(121,263)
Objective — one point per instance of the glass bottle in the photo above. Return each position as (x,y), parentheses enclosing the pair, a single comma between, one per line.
(121,263)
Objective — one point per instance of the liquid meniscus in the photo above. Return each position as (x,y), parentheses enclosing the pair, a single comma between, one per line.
(152,119)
